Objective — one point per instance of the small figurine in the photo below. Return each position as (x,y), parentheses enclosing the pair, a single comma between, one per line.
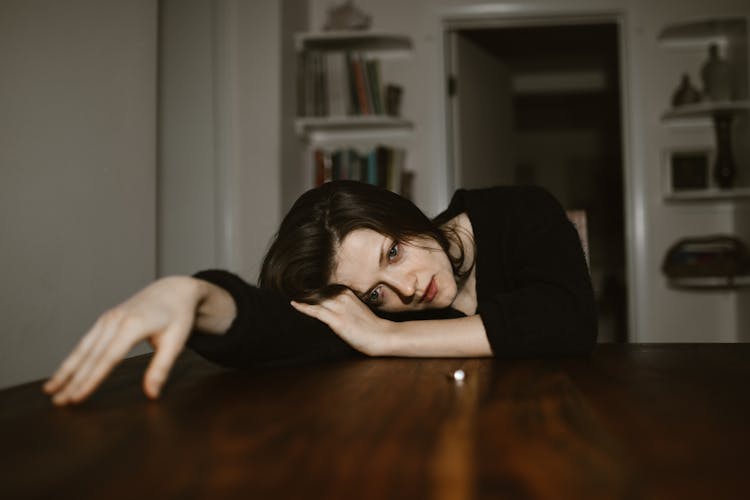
(717,76)
(347,17)
(686,93)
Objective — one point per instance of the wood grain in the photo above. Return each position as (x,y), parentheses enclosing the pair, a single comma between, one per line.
(632,421)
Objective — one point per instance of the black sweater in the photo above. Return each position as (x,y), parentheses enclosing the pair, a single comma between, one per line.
(533,291)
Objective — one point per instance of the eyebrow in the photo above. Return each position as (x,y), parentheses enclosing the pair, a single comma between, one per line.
(383,253)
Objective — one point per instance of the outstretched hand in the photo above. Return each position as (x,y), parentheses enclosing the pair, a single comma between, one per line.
(162,313)
(351,320)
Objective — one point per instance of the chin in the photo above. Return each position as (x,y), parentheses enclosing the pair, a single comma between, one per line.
(439,303)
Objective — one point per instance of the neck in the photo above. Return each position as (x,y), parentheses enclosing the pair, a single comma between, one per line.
(466,298)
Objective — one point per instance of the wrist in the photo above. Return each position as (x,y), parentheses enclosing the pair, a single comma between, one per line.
(184,286)
(386,343)
(215,309)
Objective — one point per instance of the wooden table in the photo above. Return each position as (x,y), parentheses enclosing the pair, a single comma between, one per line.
(632,421)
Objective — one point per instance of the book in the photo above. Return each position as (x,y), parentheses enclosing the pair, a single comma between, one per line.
(373,75)
(351,80)
(309,85)
(321,101)
(359,83)
(369,90)
(383,156)
(337,84)
(301,75)
(372,168)
(396,169)
(318,155)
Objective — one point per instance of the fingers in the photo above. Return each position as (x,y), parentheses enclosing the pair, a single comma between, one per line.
(67,368)
(153,313)
(71,366)
(321,312)
(112,340)
(99,368)
(313,310)
(329,310)
(348,317)
(167,350)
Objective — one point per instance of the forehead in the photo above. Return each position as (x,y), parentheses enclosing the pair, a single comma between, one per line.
(357,259)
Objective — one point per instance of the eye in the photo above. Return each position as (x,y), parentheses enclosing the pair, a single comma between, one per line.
(393,252)
(374,296)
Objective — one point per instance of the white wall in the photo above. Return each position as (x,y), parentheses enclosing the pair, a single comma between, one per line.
(259,85)
(660,314)
(294,18)
(77,171)
(188,210)
(220,169)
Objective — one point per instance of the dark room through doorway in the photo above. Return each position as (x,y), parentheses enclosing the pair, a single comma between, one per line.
(541,105)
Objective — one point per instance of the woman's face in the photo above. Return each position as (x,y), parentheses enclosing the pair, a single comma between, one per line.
(392,275)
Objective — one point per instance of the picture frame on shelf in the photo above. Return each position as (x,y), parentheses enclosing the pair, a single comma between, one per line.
(687,176)
(690,169)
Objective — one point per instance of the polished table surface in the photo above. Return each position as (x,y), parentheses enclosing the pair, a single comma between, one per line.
(631,421)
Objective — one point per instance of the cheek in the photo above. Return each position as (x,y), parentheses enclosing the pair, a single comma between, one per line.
(450,290)
(392,303)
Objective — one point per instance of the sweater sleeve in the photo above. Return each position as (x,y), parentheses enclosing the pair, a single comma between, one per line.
(549,309)
(268,331)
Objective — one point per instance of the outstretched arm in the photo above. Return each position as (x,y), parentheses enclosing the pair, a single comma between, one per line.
(164,313)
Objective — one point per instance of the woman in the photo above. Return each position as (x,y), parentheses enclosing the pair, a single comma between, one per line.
(356,270)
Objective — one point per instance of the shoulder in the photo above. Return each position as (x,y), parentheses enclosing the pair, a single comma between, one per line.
(510,200)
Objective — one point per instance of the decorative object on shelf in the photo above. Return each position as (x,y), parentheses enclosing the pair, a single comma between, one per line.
(347,17)
(393,95)
(689,170)
(686,93)
(724,168)
(716,74)
(692,259)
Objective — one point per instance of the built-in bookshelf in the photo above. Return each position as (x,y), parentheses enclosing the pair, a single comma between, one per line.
(711,282)
(709,194)
(729,35)
(704,110)
(348,114)
(715,128)
(307,125)
(382,44)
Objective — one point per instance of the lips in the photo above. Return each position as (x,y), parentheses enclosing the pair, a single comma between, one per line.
(430,292)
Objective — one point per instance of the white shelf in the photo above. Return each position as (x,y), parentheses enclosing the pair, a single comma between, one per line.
(307,125)
(711,194)
(704,110)
(701,33)
(367,41)
(711,282)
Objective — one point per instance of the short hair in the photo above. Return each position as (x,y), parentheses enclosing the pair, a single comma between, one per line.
(301,258)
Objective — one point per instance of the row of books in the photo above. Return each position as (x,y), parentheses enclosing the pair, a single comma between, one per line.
(341,84)
(382,166)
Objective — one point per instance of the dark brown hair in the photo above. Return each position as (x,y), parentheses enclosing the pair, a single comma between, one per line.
(300,260)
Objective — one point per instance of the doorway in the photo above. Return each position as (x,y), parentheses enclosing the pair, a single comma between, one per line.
(540,104)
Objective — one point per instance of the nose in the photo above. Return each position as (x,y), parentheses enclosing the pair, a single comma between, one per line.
(405,284)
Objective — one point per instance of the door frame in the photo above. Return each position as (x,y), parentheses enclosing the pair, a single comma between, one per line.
(517,15)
